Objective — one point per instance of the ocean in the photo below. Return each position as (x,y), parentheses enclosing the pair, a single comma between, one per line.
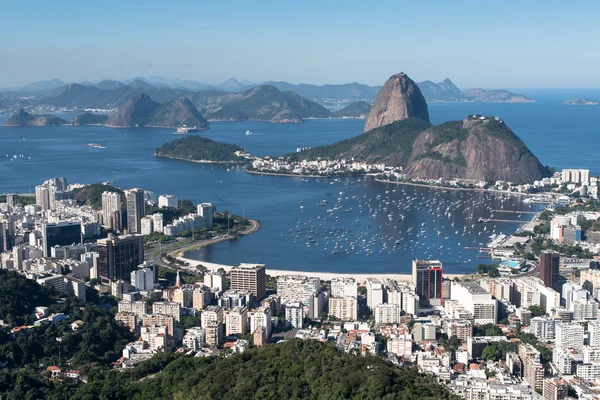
(372,227)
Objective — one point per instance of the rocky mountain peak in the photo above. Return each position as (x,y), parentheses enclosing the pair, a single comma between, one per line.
(400,98)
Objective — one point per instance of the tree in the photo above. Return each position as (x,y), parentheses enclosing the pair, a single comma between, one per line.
(537,311)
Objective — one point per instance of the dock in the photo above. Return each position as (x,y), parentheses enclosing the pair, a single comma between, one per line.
(516,212)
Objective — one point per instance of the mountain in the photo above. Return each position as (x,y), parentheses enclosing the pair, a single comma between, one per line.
(140,84)
(231,85)
(580,101)
(76,95)
(358,109)
(493,96)
(43,86)
(90,119)
(176,113)
(345,91)
(133,112)
(445,90)
(199,149)
(23,118)
(262,103)
(143,111)
(109,85)
(400,98)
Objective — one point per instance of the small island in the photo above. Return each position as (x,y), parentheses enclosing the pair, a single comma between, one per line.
(23,118)
(203,150)
(90,119)
(580,102)
(357,109)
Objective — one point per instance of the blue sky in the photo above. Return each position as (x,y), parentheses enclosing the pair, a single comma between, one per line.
(509,44)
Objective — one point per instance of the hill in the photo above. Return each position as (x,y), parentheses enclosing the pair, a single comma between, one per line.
(199,149)
(109,85)
(262,103)
(344,91)
(91,195)
(445,90)
(90,119)
(358,109)
(585,102)
(295,369)
(176,113)
(493,96)
(23,118)
(134,112)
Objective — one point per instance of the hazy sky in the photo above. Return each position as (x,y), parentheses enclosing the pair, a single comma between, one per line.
(508,44)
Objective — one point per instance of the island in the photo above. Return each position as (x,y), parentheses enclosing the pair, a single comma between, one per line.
(203,150)
(23,118)
(90,119)
(580,102)
(357,109)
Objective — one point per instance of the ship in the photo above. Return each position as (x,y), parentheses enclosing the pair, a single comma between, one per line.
(250,133)
(184,129)
(93,145)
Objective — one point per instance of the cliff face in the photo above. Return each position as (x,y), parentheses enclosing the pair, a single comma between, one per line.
(479,148)
(400,98)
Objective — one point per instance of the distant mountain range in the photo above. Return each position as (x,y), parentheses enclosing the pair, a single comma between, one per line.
(161,89)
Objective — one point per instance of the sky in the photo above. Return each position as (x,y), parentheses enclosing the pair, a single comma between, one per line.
(508,44)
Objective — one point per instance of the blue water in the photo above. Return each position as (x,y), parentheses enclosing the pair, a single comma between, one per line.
(561,136)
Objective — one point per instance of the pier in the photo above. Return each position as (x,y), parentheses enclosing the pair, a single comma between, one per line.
(516,212)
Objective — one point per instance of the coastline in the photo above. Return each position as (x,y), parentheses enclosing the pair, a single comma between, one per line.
(304,176)
(451,187)
(327,276)
(200,161)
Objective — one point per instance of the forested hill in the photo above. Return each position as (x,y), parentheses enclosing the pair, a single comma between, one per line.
(295,369)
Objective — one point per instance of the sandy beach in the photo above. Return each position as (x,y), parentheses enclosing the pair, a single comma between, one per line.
(325,276)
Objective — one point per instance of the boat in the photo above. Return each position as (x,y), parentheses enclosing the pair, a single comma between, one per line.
(94,145)
(250,133)
(184,129)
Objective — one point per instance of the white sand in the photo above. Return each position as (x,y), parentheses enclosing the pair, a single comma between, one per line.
(325,276)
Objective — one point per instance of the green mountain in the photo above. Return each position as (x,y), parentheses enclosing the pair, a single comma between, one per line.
(134,112)
(358,109)
(176,113)
(90,119)
(197,148)
(23,118)
(262,103)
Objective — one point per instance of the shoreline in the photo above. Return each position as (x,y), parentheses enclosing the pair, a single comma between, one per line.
(327,276)
(201,161)
(451,188)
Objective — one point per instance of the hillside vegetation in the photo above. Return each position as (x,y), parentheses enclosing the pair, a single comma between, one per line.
(198,148)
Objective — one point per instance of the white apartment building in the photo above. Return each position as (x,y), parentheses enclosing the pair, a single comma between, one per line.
(297,289)
(294,314)
(594,333)
(410,302)
(588,371)
(157,219)
(344,287)
(236,321)
(584,309)
(167,308)
(476,301)
(387,314)
(167,200)
(147,225)
(261,317)
(205,210)
(139,308)
(375,292)
(542,327)
(210,315)
(194,338)
(143,279)
(111,202)
(401,345)
(569,335)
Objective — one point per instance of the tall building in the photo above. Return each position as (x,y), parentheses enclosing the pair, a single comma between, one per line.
(250,277)
(297,288)
(167,200)
(475,300)
(119,256)
(387,313)
(147,225)
(344,287)
(205,210)
(294,315)
(569,335)
(555,389)
(136,209)
(375,293)
(60,234)
(427,278)
(42,197)
(158,222)
(236,321)
(344,308)
(549,269)
(7,233)
(143,279)
(111,202)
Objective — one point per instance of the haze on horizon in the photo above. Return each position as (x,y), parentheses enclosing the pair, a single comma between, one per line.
(537,44)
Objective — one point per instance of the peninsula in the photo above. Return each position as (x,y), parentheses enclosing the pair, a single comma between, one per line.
(23,118)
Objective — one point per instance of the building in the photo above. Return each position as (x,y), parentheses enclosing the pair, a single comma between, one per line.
(215,280)
(250,277)
(143,278)
(344,287)
(387,313)
(167,308)
(533,370)
(60,234)
(167,321)
(147,225)
(236,321)
(139,308)
(549,269)
(423,332)
(167,201)
(542,328)
(375,293)
(213,333)
(476,301)
(184,295)
(111,202)
(569,335)
(42,197)
(119,256)
(136,209)
(584,309)
(260,337)
(201,297)
(194,338)
(157,219)
(594,333)
(294,314)
(344,308)
(206,211)
(461,329)
(260,318)
(211,314)
(588,371)
(65,284)
(297,288)
(427,278)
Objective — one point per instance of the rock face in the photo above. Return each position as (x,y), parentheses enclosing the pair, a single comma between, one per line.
(400,98)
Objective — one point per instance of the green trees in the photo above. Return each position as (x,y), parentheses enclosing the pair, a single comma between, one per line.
(537,311)
(486,330)
(490,269)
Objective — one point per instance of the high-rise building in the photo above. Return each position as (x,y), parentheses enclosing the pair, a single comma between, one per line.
(427,278)
(7,233)
(167,200)
(344,308)
(250,277)
(297,288)
(387,313)
(60,234)
(136,209)
(375,293)
(476,301)
(344,287)
(147,225)
(119,256)
(167,308)
(111,202)
(210,315)
(555,389)
(42,197)
(569,335)
(158,222)
(206,210)
(294,314)
(236,321)
(549,269)
(143,278)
